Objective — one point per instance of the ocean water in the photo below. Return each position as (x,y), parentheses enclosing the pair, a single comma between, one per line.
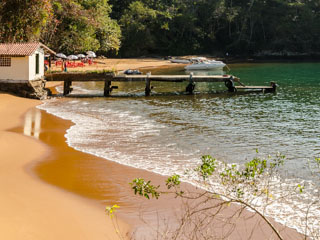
(169,131)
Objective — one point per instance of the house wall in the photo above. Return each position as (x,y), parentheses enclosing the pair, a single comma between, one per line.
(32,65)
(24,68)
(19,69)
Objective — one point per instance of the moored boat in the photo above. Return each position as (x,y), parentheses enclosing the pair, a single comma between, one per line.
(132,72)
(203,65)
(179,60)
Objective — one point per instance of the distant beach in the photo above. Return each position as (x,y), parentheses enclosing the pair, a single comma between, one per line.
(118,64)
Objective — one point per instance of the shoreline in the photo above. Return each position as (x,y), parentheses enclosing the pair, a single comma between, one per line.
(93,177)
(30,208)
(108,183)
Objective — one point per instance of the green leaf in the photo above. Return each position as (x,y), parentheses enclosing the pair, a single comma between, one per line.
(207,167)
(173,181)
(144,188)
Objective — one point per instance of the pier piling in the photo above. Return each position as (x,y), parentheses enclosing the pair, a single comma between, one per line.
(67,87)
(191,85)
(230,84)
(148,87)
(107,88)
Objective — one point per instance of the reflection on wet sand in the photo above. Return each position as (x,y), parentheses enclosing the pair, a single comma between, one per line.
(32,123)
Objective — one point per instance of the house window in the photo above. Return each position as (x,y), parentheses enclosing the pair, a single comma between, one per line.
(5,61)
(37,63)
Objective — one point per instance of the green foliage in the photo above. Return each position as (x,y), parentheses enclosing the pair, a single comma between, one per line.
(23,21)
(238,181)
(173,181)
(300,187)
(79,26)
(166,27)
(137,24)
(248,178)
(218,26)
(230,174)
(256,166)
(144,188)
(207,167)
(69,26)
(254,185)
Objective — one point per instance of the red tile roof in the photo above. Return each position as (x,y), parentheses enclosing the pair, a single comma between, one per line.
(21,49)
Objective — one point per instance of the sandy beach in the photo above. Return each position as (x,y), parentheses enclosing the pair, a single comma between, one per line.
(30,208)
(51,191)
(116,64)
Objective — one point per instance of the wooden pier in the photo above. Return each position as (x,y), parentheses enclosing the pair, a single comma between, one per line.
(271,88)
(108,78)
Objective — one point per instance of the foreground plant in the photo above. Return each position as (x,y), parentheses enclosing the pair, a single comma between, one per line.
(110,211)
(255,186)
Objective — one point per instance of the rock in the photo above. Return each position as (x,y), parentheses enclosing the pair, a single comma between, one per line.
(29,89)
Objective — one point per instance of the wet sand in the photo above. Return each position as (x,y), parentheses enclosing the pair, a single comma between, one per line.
(94,177)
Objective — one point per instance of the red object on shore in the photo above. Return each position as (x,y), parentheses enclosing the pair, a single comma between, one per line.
(58,63)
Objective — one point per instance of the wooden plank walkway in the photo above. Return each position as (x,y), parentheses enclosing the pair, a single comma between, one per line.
(173,78)
(108,78)
(271,88)
(79,76)
(253,87)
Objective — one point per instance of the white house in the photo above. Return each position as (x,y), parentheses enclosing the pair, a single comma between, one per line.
(22,61)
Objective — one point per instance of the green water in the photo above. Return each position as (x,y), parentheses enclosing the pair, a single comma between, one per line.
(228,126)
(287,121)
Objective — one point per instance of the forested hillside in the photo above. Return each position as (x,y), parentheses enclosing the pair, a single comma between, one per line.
(165,27)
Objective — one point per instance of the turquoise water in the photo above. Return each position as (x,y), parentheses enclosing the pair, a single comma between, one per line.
(290,117)
(286,122)
(169,131)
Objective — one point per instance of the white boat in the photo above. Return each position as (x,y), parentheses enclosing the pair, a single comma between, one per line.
(199,59)
(206,72)
(203,65)
(177,60)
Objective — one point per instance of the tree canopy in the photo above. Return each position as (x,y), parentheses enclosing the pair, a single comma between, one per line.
(165,27)
(64,25)
(217,26)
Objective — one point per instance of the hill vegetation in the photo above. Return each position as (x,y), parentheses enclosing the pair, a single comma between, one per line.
(165,27)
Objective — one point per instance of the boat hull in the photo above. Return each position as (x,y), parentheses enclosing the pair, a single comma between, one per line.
(180,61)
(205,66)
